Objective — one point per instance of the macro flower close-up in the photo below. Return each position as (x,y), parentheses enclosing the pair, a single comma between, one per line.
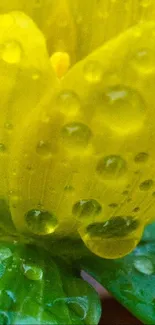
(77,159)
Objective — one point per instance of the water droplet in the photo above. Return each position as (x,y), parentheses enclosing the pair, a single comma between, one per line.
(146,185)
(4,319)
(108,247)
(93,72)
(141,157)
(32,272)
(2,148)
(68,102)
(11,52)
(137,209)
(114,227)
(125,192)
(41,222)
(111,167)
(79,309)
(113,205)
(69,188)
(76,134)
(86,208)
(44,148)
(5,253)
(144,265)
(8,126)
(123,109)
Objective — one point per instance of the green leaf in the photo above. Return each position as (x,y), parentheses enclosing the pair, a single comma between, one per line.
(149,233)
(131,279)
(36,289)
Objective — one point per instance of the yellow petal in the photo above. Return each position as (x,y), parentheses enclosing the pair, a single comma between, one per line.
(25,75)
(115,86)
(55,20)
(84,161)
(110,18)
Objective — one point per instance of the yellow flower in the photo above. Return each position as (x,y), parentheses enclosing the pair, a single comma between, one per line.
(77,119)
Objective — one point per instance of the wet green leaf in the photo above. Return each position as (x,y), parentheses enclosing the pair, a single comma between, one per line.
(36,289)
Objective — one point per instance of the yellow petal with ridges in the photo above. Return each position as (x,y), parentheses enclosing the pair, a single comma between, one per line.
(84,161)
(26,74)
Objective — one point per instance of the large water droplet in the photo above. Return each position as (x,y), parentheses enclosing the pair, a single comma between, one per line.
(123,109)
(41,222)
(32,272)
(11,52)
(146,185)
(76,134)
(68,102)
(108,247)
(4,319)
(86,208)
(141,157)
(115,227)
(111,167)
(93,72)
(144,265)
(5,253)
